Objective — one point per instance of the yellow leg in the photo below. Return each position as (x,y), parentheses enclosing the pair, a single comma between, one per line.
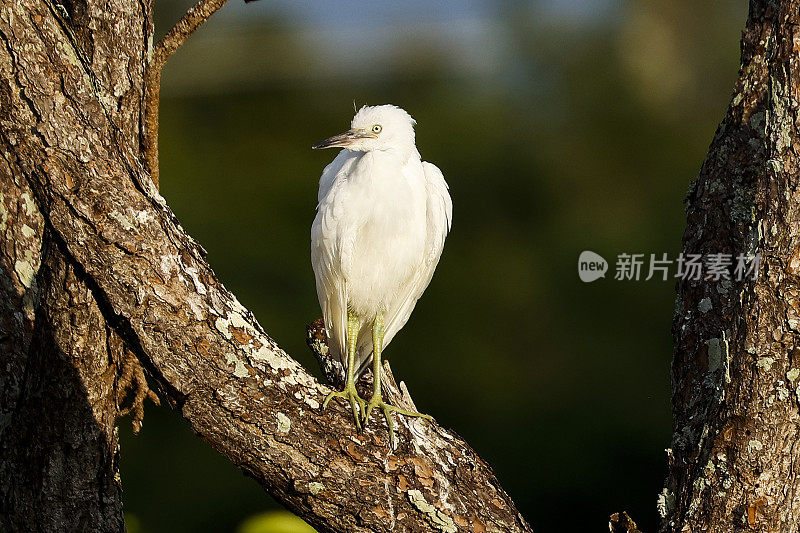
(377,368)
(350,393)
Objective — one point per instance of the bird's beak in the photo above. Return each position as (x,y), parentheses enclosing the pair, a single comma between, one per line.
(343,140)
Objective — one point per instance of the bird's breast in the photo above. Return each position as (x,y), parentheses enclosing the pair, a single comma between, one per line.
(388,238)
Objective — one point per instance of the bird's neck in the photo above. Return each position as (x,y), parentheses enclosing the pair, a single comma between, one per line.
(402,153)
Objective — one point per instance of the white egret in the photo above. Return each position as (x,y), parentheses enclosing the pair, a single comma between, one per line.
(382,219)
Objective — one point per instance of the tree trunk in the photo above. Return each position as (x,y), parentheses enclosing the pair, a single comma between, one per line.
(94,263)
(93,258)
(733,462)
(59,359)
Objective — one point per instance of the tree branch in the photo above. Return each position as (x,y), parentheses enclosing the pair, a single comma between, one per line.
(213,361)
(116,250)
(175,37)
(241,392)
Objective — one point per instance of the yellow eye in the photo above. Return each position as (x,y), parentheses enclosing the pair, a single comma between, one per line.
(376,128)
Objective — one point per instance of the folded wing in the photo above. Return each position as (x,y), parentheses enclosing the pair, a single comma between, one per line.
(331,286)
(439,209)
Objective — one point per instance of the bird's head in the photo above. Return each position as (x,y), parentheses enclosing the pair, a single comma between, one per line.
(381,127)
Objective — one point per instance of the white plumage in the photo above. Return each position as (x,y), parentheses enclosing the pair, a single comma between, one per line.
(382,219)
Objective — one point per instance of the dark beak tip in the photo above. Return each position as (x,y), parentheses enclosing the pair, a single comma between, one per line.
(342,140)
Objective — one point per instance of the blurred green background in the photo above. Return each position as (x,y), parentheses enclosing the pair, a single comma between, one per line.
(560,125)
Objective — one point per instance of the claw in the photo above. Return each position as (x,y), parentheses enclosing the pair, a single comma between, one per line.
(351,395)
(388,409)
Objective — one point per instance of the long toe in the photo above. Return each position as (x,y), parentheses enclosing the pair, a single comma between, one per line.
(388,409)
(350,394)
(358,407)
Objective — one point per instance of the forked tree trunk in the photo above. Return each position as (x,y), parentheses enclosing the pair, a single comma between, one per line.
(734,462)
(93,263)
(59,357)
(93,259)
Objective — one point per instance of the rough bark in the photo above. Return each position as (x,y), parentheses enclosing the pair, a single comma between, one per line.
(734,461)
(622,523)
(58,357)
(59,469)
(93,260)
(116,262)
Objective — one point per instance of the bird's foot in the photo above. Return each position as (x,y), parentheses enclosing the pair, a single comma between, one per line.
(388,409)
(351,395)
(132,385)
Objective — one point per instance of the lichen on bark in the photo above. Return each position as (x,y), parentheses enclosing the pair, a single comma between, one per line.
(117,256)
(734,447)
